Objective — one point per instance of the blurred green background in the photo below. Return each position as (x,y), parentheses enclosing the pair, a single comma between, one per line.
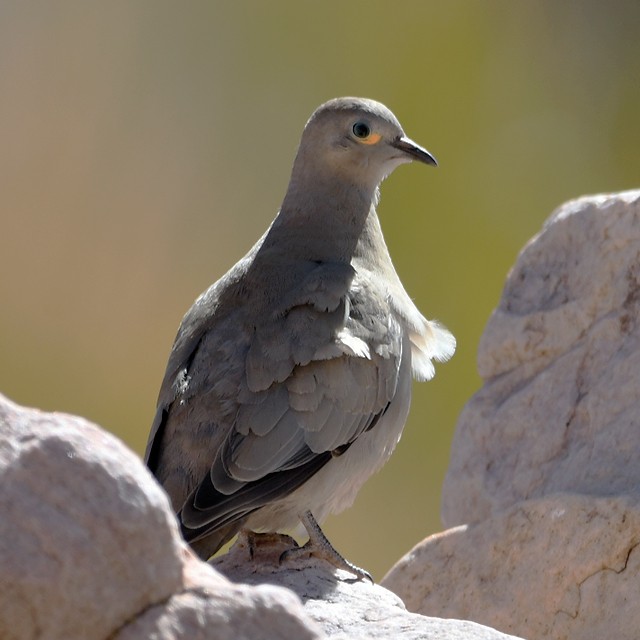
(146,145)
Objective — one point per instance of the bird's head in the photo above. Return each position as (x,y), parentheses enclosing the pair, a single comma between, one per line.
(356,139)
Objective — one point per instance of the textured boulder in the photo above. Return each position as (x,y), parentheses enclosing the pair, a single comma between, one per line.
(344,607)
(560,358)
(543,488)
(563,566)
(81,528)
(210,607)
(89,549)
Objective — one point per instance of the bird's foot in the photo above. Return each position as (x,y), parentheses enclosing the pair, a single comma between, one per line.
(319,546)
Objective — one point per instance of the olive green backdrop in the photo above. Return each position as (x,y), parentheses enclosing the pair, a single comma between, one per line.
(144,146)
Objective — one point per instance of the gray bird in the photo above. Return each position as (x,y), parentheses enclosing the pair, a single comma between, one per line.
(289,381)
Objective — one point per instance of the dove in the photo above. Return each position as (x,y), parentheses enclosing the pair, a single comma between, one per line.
(289,381)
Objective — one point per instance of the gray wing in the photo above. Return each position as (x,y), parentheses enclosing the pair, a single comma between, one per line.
(286,394)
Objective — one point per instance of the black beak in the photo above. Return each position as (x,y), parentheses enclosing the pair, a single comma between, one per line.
(415,151)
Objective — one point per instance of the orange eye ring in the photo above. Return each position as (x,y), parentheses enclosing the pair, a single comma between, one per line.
(373,138)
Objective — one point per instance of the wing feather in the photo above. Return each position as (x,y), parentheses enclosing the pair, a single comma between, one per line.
(278,392)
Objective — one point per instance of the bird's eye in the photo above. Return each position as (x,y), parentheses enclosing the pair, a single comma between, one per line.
(361,130)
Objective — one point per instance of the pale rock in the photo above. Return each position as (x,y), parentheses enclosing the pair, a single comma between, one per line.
(212,608)
(345,608)
(82,528)
(560,358)
(542,492)
(89,548)
(558,567)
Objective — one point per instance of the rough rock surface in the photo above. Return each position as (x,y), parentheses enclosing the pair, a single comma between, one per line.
(77,508)
(210,607)
(543,488)
(563,566)
(89,549)
(342,606)
(560,358)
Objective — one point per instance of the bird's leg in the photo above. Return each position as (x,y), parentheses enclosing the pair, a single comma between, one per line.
(257,542)
(318,545)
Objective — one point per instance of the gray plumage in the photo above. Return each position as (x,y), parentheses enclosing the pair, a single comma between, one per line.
(289,381)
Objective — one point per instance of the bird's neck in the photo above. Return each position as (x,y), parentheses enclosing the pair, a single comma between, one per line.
(326,219)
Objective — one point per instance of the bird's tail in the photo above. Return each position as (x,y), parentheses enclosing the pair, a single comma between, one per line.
(209,544)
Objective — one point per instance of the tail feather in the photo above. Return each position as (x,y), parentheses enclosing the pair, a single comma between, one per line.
(433,343)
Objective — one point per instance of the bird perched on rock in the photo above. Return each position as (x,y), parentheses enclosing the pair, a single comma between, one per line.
(289,381)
